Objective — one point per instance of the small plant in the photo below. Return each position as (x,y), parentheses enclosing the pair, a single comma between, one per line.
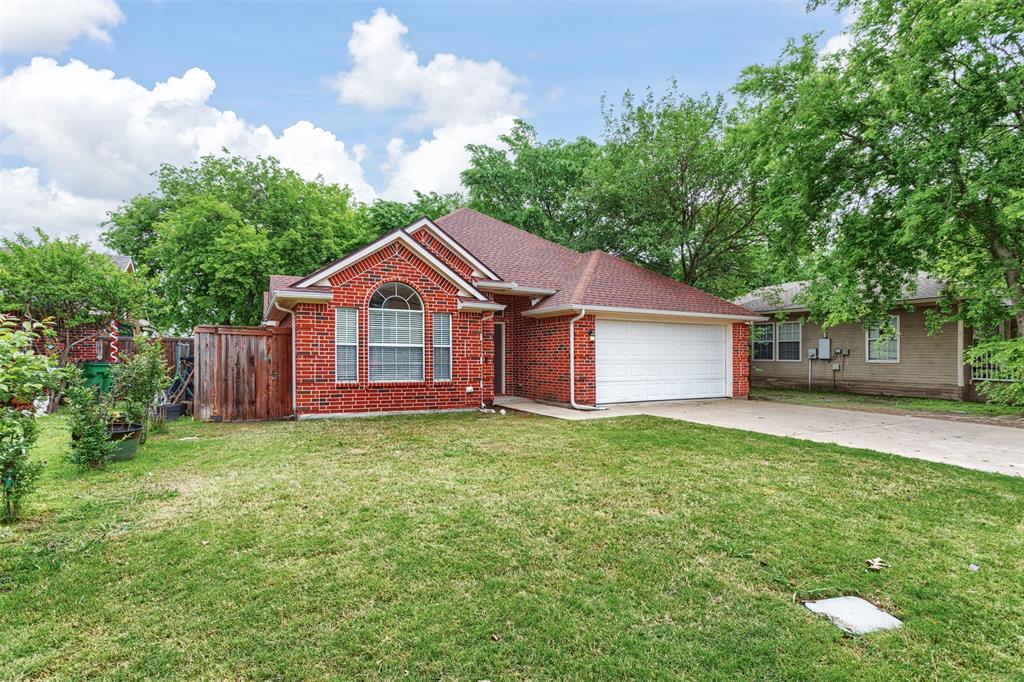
(139,382)
(24,378)
(90,413)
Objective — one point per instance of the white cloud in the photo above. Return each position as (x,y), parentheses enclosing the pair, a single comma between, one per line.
(26,203)
(436,163)
(34,26)
(89,139)
(447,90)
(842,40)
(464,102)
(99,137)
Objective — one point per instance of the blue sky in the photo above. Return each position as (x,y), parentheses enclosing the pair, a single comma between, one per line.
(386,116)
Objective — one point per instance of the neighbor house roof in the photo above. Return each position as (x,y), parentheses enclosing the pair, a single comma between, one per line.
(785,296)
(124,262)
(594,279)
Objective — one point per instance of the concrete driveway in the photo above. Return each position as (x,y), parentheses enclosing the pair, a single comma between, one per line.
(984,447)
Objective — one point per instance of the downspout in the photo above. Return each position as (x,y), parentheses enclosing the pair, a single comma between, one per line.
(292,313)
(482,320)
(572,365)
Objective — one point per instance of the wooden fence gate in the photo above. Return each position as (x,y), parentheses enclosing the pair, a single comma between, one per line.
(243,373)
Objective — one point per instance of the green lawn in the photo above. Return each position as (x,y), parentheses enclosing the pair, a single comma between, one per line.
(801,396)
(494,547)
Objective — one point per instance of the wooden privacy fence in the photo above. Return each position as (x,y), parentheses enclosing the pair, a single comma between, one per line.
(243,373)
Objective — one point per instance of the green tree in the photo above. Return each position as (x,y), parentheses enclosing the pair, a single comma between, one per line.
(900,153)
(66,283)
(385,216)
(531,184)
(214,230)
(674,192)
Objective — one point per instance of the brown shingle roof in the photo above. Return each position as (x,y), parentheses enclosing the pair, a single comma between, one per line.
(515,255)
(594,278)
(281,282)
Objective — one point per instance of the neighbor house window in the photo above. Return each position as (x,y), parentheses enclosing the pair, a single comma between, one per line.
(884,350)
(346,345)
(764,341)
(442,347)
(396,334)
(789,340)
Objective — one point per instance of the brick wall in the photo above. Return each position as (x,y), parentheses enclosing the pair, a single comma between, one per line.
(444,254)
(740,360)
(83,352)
(537,354)
(472,332)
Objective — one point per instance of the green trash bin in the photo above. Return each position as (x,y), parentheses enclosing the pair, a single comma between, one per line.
(98,374)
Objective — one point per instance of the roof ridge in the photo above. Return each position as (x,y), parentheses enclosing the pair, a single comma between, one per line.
(588,273)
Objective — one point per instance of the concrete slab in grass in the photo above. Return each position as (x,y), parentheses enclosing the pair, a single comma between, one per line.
(854,615)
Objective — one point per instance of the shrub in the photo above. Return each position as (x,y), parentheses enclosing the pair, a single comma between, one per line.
(24,378)
(91,446)
(18,432)
(139,382)
(1008,356)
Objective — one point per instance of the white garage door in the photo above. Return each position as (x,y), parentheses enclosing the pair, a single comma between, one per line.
(659,361)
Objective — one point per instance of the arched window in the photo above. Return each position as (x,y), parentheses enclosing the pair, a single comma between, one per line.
(396,334)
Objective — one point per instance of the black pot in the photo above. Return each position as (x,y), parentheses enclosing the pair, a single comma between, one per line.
(172,411)
(126,440)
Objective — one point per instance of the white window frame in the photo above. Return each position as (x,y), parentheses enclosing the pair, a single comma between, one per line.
(434,346)
(895,321)
(421,345)
(771,325)
(799,340)
(337,345)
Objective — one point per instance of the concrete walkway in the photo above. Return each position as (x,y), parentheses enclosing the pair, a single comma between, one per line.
(984,447)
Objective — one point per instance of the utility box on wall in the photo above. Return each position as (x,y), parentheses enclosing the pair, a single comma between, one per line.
(824,348)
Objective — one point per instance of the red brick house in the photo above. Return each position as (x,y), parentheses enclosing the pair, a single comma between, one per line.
(447,314)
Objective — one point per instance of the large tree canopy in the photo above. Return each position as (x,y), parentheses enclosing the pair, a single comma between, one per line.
(384,215)
(672,190)
(213,231)
(531,184)
(67,284)
(903,152)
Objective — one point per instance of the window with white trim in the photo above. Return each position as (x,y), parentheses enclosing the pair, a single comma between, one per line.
(396,334)
(442,346)
(763,342)
(789,340)
(346,345)
(881,349)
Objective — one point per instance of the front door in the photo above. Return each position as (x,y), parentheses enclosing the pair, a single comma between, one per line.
(499,358)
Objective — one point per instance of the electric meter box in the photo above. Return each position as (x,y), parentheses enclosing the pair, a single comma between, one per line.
(824,348)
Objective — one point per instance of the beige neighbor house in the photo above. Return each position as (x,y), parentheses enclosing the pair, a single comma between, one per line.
(791,351)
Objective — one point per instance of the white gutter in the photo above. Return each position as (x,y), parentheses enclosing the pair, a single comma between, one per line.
(292,313)
(513,288)
(572,365)
(571,308)
(481,306)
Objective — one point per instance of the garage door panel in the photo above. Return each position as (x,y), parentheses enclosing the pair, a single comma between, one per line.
(657,361)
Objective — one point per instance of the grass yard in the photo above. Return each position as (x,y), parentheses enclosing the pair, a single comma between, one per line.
(487,547)
(801,396)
